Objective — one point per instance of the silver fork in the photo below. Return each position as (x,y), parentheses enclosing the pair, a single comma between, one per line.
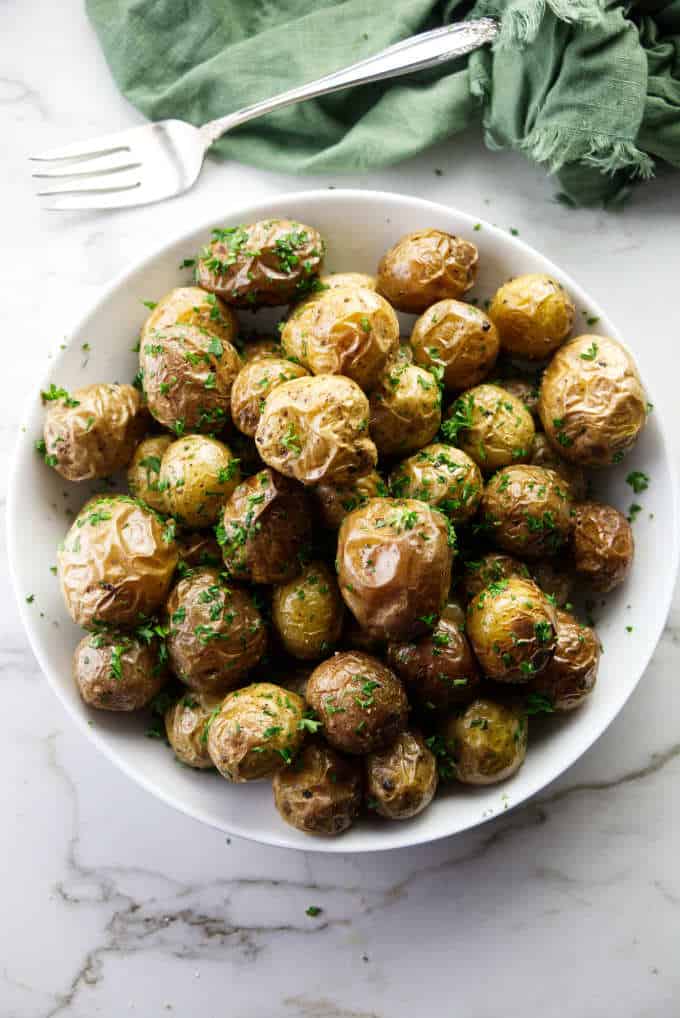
(156,161)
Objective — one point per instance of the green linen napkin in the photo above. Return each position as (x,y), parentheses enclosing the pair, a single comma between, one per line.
(589,88)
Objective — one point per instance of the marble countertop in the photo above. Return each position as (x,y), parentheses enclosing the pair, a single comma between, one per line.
(112,903)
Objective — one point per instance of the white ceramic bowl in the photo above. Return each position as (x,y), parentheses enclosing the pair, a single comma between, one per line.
(359,227)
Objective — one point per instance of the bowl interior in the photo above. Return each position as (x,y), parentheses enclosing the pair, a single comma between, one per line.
(359,227)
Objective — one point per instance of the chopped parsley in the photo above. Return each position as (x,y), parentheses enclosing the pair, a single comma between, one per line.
(638,481)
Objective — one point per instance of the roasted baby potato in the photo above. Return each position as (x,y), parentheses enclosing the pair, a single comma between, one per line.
(198,548)
(198,474)
(262,348)
(569,677)
(525,390)
(257,731)
(116,562)
(533,315)
(186,725)
(529,510)
(308,612)
(216,633)
(493,427)
(360,702)
(405,409)
(592,404)
(490,568)
(440,670)
(144,472)
(93,431)
(394,566)
(316,430)
(335,502)
(272,262)
(512,627)
(485,744)
(320,793)
(555,577)
(543,455)
(333,280)
(189,305)
(265,525)
(444,477)
(425,267)
(115,670)
(401,779)
(602,545)
(460,339)
(252,385)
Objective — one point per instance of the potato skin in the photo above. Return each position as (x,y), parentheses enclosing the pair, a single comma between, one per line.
(533,315)
(316,430)
(187,374)
(186,726)
(569,677)
(256,732)
(198,474)
(490,568)
(439,670)
(320,793)
(264,526)
(401,780)
(603,546)
(116,671)
(271,262)
(529,510)
(198,548)
(499,430)
(459,338)
(189,305)
(427,266)
(334,280)
(543,455)
(262,349)
(444,477)
(252,385)
(144,472)
(335,502)
(487,743)
(308,612)
(216,633)
(405,409)
(349,331)
(592,404)
(524,390)
(555,577)
(96,436)
(394,566)
(512,627)
(116,562)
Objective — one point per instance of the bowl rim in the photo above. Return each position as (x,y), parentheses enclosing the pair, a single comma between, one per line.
(253,210)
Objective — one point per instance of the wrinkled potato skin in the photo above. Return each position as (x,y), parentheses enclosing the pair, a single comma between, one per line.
(190,474)
(252,385)
(175,388)
(543,455)
(523,390)
(529,509)
(490,568)
(253,273)
(265,524)
(440,670)
(99,435)
(533,315)
(487,743)
(141,676)
(144,472)
(443,476)
(555,577)
(237,743)
(425,267)
(460,338)
(206,663)
(114,570)
(186,725)
(320,793)
(334,280)
(262,349)
(199,548)
(599,404)
(189,305)
(501,626)
(390,574)
(308,612)
(316,430)
(569,677)
(405,409)
(401,780)
(502,430)
(336,502)
(355,720)
(603,546)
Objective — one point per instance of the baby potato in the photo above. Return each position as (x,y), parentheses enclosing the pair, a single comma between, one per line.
(271,262)
(602,546)
(512,627)
(401,779)
(529,510)
(394,566)
(216,633)
(252,385)
(93,432)
(493,427)
(439,670)
(460,339)
(569,677)
(262,349)
(444,477)
(533,315)
(490,568)
(543,455)
(348,330)
(308,612)
(199,548)
(334,280)
(555,577)
(320,793)
(592,404)
(485,744)
(189,305)
(335,502)
(265,525)
(144,472)
(316,430)
(425,267)
(361,703)
(116,562)
(198,474)
(526,391)
(186,725)
(405,409)
(117,671)
(187,374)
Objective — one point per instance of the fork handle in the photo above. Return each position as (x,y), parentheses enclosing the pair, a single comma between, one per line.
(428,49)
